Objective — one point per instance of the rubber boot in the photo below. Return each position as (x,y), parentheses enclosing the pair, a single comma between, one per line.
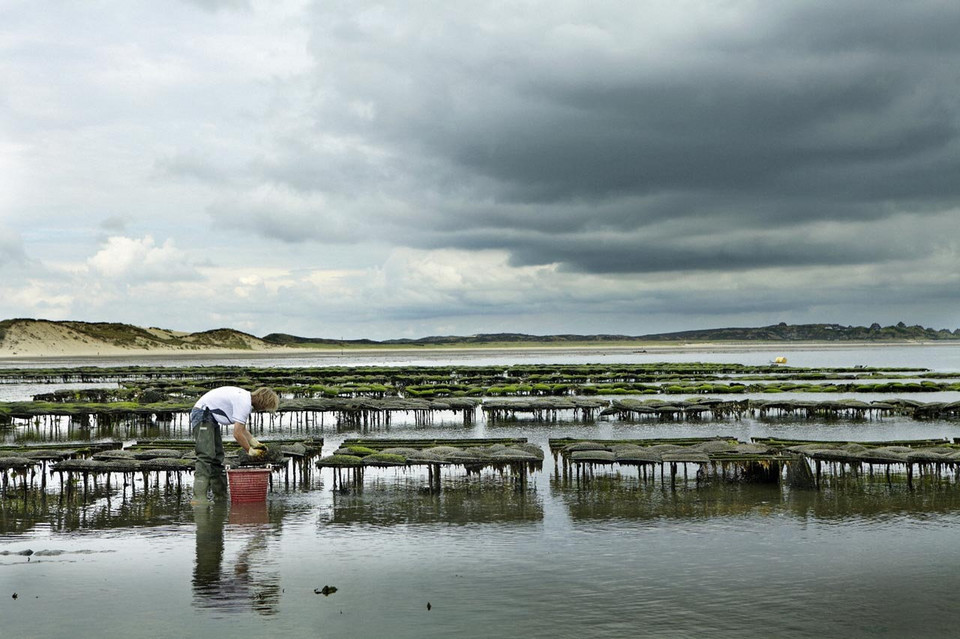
(201,485)
(218,485)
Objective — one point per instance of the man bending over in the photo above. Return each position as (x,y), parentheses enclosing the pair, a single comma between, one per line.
(224,406)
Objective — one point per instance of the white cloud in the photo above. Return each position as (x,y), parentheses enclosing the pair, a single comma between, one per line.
(11,248)
(218,5)
(35,298)
(11,168)
(135,260)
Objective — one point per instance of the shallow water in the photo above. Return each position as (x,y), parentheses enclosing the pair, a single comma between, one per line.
(610,557)
(935,356)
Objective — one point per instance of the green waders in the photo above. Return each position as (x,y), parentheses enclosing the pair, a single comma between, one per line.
(210,474)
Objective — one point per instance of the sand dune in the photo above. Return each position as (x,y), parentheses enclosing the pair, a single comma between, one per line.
(41,338)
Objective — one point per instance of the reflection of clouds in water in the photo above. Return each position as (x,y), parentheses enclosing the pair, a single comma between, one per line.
(51,553)
(244,583)
(28,555)
(24,392)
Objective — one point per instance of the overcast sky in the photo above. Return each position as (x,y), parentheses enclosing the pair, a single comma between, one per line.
(402,169)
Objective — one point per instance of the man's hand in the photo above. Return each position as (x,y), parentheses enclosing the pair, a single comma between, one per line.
(256,452)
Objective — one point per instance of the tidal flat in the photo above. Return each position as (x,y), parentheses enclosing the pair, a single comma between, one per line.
(604,555)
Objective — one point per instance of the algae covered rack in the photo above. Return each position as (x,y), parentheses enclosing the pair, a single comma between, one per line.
(369,397)
(28,467)
(513,457)
(801,463)
(133,420)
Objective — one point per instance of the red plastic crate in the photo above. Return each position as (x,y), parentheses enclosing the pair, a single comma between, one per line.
(248,484)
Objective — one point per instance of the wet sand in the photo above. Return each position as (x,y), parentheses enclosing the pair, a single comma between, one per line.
(54,354)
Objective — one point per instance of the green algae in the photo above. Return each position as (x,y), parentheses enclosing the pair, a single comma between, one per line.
(339,461)
(384,459)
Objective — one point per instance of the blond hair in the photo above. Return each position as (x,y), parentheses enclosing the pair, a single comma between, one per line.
(264,399)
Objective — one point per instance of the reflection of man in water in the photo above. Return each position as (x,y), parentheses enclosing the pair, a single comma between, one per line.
(247,586)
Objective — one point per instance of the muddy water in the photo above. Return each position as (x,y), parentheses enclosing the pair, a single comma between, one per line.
(612,557)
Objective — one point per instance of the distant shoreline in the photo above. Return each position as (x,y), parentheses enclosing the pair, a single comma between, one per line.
(328,351)
(27,339)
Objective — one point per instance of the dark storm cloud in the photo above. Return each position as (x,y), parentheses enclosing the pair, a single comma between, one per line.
(716,244)
(860,305)
(533,131)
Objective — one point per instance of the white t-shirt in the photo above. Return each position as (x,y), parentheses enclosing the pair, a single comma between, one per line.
(228,404)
